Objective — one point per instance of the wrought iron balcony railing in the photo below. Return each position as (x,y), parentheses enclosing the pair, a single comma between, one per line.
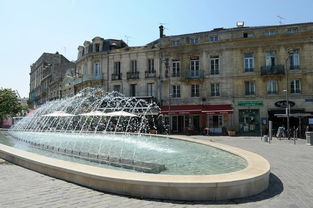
(273,70)
(132,75)
(117,76)
(150,74)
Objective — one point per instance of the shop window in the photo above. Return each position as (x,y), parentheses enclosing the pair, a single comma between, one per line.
(249,121)
(215,121)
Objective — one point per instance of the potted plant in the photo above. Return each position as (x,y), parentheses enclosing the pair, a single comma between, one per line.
(231,131)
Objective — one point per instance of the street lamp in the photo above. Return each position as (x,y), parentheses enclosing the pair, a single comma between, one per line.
(290,52)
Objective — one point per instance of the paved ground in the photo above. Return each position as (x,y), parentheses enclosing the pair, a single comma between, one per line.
(291,183)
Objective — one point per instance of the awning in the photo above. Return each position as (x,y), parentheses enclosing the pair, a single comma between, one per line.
(197,109)
(217,109)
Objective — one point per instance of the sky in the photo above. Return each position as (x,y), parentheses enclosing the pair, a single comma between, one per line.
(30,28)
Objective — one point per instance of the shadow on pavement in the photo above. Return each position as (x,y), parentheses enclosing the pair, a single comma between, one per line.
(275,188)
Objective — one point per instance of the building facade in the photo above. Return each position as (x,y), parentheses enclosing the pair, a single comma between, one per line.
(239,77)
(46,77)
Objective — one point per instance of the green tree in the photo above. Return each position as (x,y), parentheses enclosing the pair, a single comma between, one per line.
(9,104)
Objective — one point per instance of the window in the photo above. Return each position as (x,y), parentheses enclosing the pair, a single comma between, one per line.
(97,69)
(85,69)
(249,88)
(151,65)
(270,58)
(132,90)
(175,68)
(133,66)
(272,87)
(213,38)
(150,89)
(176,91)
(269,33)
(117,88)
(292,30)
(294,59)
(86,50)
(215,89)
(193,40)
(214,64)
(215,121)
(249,62)
(195,92)
(248,35)
(117,68)
(295,86)
(194,67)
(175,42)
(97,47)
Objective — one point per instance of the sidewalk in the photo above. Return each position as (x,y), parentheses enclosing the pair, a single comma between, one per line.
(291,182)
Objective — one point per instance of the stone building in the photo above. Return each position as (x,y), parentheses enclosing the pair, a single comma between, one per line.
(46,77)
(239,77)
(243,71)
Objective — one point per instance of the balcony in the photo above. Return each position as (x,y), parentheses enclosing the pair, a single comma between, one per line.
(273,70)
(87,77)
(197,74)
(132,75)
(150,74)
(117,76)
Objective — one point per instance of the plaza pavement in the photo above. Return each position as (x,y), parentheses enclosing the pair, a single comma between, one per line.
(291,182)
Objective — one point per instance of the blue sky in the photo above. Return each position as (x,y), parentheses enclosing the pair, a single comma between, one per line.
(29,28)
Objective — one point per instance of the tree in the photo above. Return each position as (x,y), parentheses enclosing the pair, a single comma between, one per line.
(9,103)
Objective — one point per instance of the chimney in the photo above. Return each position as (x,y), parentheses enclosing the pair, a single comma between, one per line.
(161,31)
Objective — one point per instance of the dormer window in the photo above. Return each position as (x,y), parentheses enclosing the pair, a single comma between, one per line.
(175,42)
(193,40)
(270,33)
(292,30)
(97,47)
(213,38)
(248,35)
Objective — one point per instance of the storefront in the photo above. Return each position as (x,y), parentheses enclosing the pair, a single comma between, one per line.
(197,118)
(249,117)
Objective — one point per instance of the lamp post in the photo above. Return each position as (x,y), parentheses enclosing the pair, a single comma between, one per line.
(290,52)
(167,67)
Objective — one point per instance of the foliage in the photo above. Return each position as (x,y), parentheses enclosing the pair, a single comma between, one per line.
(25,107)
(9,103)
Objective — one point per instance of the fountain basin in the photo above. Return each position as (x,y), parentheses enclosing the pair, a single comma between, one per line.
(246,182)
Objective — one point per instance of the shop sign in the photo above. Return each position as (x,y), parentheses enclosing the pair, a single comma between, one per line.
(283,103)
(250,102)
(308,100)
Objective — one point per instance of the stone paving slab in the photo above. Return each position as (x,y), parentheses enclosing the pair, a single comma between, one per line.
(291,182)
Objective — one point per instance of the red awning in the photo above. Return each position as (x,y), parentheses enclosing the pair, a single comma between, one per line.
(197,109)
(217,109)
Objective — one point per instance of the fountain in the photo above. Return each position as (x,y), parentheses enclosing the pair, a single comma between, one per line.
(101,140)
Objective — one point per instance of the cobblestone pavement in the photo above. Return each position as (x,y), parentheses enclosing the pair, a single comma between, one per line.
(291,182)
